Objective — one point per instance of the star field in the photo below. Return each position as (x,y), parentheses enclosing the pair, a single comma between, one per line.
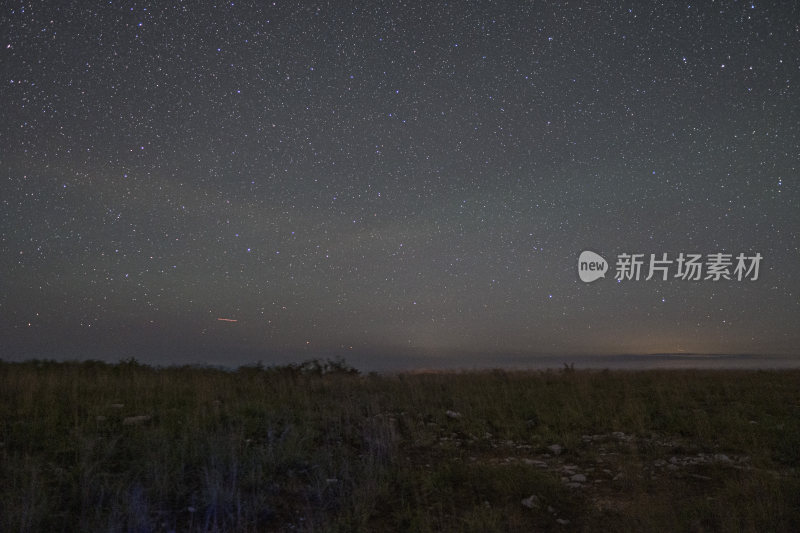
(383,180)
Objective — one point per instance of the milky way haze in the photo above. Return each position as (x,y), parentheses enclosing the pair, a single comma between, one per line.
(384,179)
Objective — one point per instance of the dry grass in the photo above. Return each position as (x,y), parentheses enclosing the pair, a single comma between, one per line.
(96,447)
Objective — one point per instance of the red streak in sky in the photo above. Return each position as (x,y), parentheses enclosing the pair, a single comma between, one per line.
(227,320)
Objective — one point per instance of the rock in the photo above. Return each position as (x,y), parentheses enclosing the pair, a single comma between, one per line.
(555,448)
(535,462)
(580,478)
(136,420)
(562,521)
(455,415)
(531,502)
(619,435)
(722,458)
(573,485)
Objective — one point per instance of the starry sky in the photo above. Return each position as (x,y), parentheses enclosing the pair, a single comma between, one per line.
(387,180)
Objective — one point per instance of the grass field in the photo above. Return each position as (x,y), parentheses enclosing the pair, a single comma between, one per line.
(317,447)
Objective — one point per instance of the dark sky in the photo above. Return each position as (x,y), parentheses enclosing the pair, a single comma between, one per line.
(389,179)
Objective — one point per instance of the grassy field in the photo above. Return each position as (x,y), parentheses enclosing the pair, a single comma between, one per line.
(317,447)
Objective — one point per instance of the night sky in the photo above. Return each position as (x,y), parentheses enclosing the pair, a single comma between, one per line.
(389,180)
